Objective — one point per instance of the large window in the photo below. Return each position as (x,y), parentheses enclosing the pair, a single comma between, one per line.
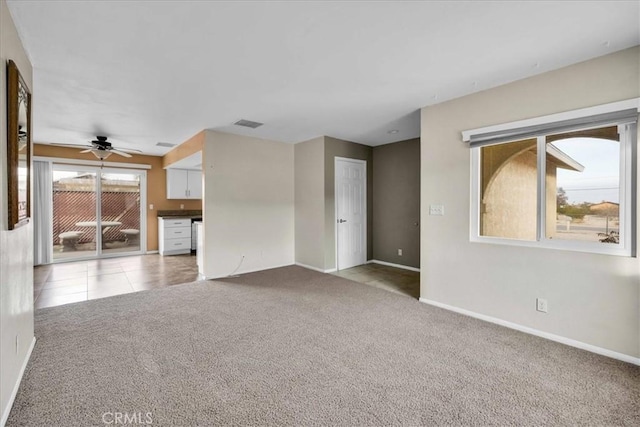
(565,184)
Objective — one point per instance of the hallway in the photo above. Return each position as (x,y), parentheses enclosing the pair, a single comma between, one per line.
(392,279)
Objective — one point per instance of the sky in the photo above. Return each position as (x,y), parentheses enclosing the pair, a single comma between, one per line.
(600,180)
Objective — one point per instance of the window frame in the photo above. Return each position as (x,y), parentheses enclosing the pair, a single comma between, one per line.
(628,153)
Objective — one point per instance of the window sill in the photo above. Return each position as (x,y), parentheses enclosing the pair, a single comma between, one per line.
(562,245)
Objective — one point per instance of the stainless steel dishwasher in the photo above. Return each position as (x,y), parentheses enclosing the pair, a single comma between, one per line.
(194,234)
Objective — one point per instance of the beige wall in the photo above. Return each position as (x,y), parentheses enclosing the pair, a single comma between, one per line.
(156,184)
(249,204)
(592,298)
(339,148)
(396,202)
(16,247)
(186,149)
(309,202)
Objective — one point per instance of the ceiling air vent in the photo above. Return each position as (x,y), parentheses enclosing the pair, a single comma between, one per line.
(248,123)
(165,144)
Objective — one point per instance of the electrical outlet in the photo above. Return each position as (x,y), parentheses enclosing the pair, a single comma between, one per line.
(399,252)
(436,210)
(542,305)
(150,206)
(181,206)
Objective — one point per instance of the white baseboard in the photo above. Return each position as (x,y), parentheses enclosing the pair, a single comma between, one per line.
(310,267)
(14,393)
(331,270)
(152,252)
(390,264)
(240,273)
(557,338)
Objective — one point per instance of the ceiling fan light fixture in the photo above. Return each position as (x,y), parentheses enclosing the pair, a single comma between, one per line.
(101,148)
(101,154)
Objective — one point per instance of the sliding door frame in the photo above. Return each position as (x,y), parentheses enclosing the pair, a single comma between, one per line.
(99,170)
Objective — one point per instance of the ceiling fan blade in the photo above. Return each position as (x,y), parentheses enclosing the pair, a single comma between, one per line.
(129,150)
(121,153)
(89,150)
(70,145)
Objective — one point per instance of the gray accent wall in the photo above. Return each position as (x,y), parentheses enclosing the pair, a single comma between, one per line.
(396,202)
(338,148)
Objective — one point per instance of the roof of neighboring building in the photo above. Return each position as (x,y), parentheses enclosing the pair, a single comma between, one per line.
(604,204)
(562,159)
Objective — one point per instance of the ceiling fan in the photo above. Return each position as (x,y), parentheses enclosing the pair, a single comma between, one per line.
(101,148)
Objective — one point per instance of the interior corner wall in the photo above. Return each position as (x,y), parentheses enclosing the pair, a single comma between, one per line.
(16,246)
(248,207)
(338,148)
(593,298)
(396,203)
(187,148)
(309,203)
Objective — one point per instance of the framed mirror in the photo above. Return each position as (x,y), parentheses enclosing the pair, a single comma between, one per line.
(18,148)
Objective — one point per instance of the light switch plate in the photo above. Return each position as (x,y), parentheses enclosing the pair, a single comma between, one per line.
(436,210)
(542,305)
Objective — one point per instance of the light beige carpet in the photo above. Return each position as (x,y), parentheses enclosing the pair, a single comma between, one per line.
(290,346)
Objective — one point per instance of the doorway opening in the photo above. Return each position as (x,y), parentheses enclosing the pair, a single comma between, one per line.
(351,235)
(393,279)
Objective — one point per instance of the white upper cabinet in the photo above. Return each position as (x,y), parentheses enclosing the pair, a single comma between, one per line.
(184,184)
(194,184)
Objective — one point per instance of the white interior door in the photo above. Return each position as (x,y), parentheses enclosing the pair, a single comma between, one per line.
(351,212)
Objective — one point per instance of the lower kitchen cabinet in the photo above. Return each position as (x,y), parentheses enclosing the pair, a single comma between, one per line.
(174,236)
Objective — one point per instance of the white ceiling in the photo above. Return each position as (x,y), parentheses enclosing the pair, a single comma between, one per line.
(148,71)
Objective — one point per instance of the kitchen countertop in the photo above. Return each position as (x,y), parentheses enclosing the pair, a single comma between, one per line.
(181,213)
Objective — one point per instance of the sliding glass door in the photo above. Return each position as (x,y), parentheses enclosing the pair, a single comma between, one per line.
(120,214)
(97,212)
(74,202)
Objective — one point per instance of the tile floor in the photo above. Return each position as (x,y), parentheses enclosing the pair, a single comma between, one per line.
(63,283)
(392,279)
